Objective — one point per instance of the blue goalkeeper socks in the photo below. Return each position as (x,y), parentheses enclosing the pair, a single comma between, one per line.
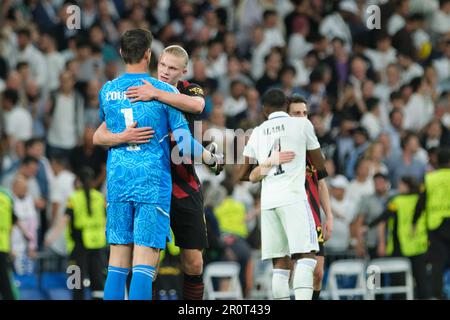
(141,282)
(115,283)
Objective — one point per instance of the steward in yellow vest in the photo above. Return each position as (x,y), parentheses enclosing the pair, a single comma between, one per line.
(434,206)
(402,239)
(85,224)
(7,219)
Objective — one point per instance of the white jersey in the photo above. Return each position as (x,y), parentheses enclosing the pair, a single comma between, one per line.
(284,184)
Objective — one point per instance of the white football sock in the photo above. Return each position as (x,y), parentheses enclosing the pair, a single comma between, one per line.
(280,284)
(304,278)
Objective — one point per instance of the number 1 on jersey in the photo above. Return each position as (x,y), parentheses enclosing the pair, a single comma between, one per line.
(277,148)
(128,115)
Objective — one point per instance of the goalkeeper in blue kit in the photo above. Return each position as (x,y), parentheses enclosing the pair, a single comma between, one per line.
(139,183)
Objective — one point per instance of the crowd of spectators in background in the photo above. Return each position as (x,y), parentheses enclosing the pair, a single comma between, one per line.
(379,100)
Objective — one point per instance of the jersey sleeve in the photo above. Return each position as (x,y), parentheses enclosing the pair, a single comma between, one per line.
(250,149)
(101,112)
(183,137)
(311,139)
(191,89)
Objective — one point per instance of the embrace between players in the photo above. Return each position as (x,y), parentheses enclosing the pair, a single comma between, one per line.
(144,185)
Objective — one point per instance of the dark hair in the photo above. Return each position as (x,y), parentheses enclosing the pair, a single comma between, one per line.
(406,54)
(60,159)
(415,17)
(416,83)
(27,160)
(86,176)
(82,42)
(134,44)
(316,75)
(362,131)
(268,12)
(443,3)
(274,98)
(24,32)
(11,95)
(31,142)
(236,82)
(295,98)
(228,185)
(443,156)
(380,175)
(408,136)
(272,52)
(412,183)
(391,114)
(395,95)
(382,35)
(288,68)
(21,64)
(372,103)
(399,3)
(342,41)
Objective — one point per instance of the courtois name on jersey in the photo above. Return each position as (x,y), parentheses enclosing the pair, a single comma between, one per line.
(139,173)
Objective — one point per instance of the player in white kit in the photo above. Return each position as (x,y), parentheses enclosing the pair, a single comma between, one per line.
(279,145)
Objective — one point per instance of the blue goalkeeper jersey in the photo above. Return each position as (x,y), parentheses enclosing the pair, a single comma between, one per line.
(139,173)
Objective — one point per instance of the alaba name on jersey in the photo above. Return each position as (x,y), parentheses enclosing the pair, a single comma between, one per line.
(284,184)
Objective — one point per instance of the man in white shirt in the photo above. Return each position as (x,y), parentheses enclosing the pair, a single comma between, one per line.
(397,20)
(66,118)
(343,212)
(440,23)
(410,69)
(63,185)
(419,110)
(383,55)
(442,65)
(30,54)
(54,61)
(362,185)
(16,116)
(280,145)
(335,26)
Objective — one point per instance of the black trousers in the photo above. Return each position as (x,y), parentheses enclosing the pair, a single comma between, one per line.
(6,284)
(419,273)
(92,263)
(438,256)
(419,270)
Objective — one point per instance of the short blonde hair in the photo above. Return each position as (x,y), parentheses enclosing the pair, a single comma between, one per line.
(177,51)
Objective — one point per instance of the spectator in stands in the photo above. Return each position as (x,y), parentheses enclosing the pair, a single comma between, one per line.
(62,187)
(90,156)
(420,108)
(360,145)
(16,116)
(28,53)
(362,184)
(24,245)
(44,177)
(54,61)
(407,162)
(271,77)
(231,215)
(65,117)
(343,212)
(370,208)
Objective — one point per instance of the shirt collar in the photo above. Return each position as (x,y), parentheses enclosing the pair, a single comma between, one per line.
(277,114)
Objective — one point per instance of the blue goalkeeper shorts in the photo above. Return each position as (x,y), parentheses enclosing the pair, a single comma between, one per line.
(143,224)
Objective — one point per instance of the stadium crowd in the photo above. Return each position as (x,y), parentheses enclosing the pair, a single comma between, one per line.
(379,101)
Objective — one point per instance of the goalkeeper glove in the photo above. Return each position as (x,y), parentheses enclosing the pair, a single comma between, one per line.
(216,162)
